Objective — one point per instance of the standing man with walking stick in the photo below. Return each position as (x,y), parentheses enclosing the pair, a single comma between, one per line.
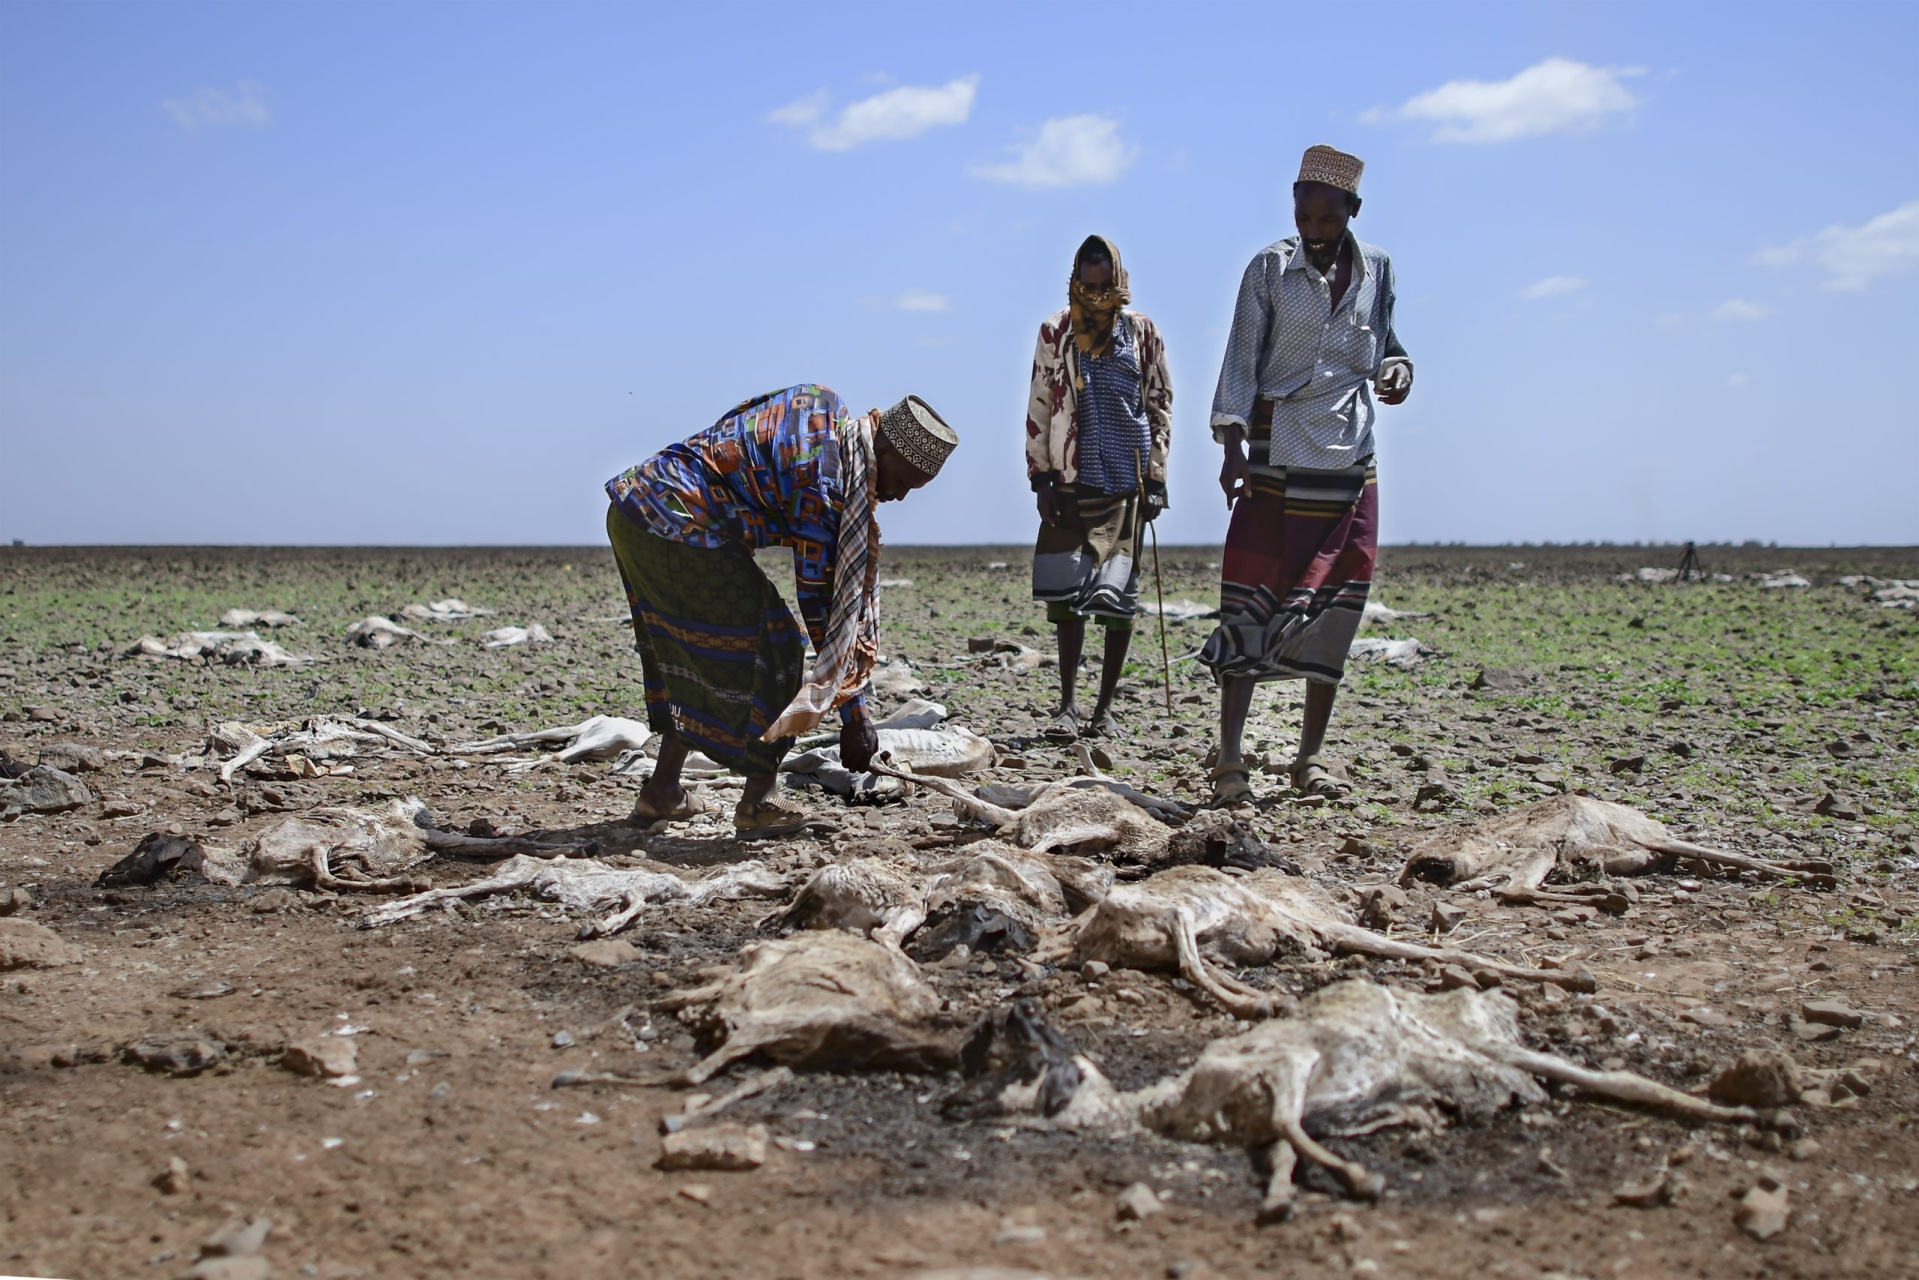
(1098,424)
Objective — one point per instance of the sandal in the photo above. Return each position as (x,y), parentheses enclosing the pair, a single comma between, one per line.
(644,814)
(770,819)
(1230,784)
(1312,778)
(1103,725)
(1065,727)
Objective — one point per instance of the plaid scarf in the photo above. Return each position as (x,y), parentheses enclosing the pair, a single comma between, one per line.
(845,661)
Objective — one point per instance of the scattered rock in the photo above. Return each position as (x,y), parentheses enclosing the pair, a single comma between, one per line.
(1501,680)
(320,1056)
(1758,1078)
(43,715)
(1704,1015)
(1629,764)
(43,790)
(563,1039)
(980,644)
(172,1180)
(73,757)
(1094,970)
(1447,917)
(251,1267)
(274,900)
(1138,1203)
(722,1148)
(15,901)
(1832,1013)
(697,1192)
(236,1238)
(183,1056)
(1663,1188)
(1381,905)
(1763,1212)
(1020,1233)
(26,945)
(1454,978)
(157,857)
(606,953)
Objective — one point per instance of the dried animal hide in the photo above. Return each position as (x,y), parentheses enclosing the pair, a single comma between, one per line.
(1394,653)
(823,999)
(237,618)
(1579,838)
(451,609)
(505,637)
(948,752)
(863,896)
(234,648)
(998,899)
(595,738)
(383,633)
(1180,918)
(335,849)
(1215,838)
(585,884)
(321,738)
(1355,1058)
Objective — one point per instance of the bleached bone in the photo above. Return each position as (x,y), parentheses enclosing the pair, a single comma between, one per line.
(321,738)
(998,804)
(586,884)
(595,738)
(1377,612)
(822,999)
(1395,653)
(449,610)
(504,637)
(237,618)
(376,632)
(234,648)
(1580,837)
(1179,918)
(337,849)
(1355,1058)
(863,896)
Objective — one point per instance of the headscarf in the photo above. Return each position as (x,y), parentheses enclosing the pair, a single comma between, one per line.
(1093,312)
(845,659)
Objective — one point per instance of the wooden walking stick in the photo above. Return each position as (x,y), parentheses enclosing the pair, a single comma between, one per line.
(1159,591)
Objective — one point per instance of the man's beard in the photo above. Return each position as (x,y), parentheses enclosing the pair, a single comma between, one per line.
(1322,253)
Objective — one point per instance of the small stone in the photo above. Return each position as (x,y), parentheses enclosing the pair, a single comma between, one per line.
(44,790)
(1381,905)
(1138,1203)
(980,644)
(1804,1149)
(251,1267)
(1758,1078)
(1704,1015)
(439,1092)
(26,945)
(14,901)
(1020,1233)
(172,1180)
(1454,978)
(606,953)
(1662,1188)
(1447,917)
(1813,1032)
(73,757)
(563,1040)
(722,1148)
(1629,764)
(43,715)
(697,1192)
(185,1056)
(1094,970)
(237,1239)
(273,901)
(1763,1214)
(320,1056)
(1832,1013)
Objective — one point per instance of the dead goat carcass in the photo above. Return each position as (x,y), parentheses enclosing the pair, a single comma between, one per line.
(375,632)
(998,898)
(1355,1058)
(823,999)
(947,751)
(586,884)
(291,742)
(451,609)
(1573,838)
(333,849)
(594,738)
(1177,919)
(861,895)
(234,648)
(1077,815)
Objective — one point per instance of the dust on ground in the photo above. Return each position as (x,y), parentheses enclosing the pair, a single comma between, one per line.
(1774,720)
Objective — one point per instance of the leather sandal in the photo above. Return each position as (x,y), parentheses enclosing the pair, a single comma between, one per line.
(1312,778)
(771,818)
(1230,783)
(1064,728)
(644,814)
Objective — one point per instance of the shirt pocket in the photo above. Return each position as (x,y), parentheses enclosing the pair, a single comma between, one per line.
(1363,346)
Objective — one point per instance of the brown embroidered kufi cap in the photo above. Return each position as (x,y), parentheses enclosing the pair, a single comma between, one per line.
(1331,166)
(920,435)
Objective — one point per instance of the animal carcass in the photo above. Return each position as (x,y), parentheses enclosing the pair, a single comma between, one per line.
(595,738)
(861,895)
(998,898)
(1577,837)
(1179,918)
(822,999)
(375,632)
(949,751)
(1356,1057)
(335,849)
(586,884)
(234,648)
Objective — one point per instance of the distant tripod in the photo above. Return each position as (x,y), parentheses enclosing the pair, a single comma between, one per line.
(1689,567)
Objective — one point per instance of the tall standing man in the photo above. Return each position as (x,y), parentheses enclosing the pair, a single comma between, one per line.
(1097,427)
(1312,339)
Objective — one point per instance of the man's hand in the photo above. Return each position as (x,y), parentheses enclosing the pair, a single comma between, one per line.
(1233,472)
(1048,505)
(859,741)
(1395,381)
(1151,503)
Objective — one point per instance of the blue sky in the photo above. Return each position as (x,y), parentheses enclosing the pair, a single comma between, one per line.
(429,273)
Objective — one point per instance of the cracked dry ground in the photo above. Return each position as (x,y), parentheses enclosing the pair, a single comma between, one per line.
(1776,721)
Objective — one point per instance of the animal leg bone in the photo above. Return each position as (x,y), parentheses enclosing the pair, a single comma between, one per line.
(515,876)
(971,805)
(1277,1206)
(1623,1085)
(1816,874)
(1365,942)
(1239,999)
(323,877)
(631,904)
(1360,1181)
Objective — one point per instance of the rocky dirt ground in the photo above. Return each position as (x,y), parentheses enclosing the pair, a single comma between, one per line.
(153,1038)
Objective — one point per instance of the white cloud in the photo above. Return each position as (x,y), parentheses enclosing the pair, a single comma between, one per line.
(1068,151)
(1853,257)
(1740,309)
(923,300)
(245,105)
(1554,96)
(1736,380)
(905,112)
(1553,287)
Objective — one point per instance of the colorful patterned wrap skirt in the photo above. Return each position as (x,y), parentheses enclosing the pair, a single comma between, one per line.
(720,653)
(1087,565)
(1298,567)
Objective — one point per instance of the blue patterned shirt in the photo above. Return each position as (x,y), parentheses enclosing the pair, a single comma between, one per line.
(1115,440)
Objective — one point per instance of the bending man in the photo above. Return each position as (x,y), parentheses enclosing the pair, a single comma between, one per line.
(1312,333)
(722,658)
(1097,426)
